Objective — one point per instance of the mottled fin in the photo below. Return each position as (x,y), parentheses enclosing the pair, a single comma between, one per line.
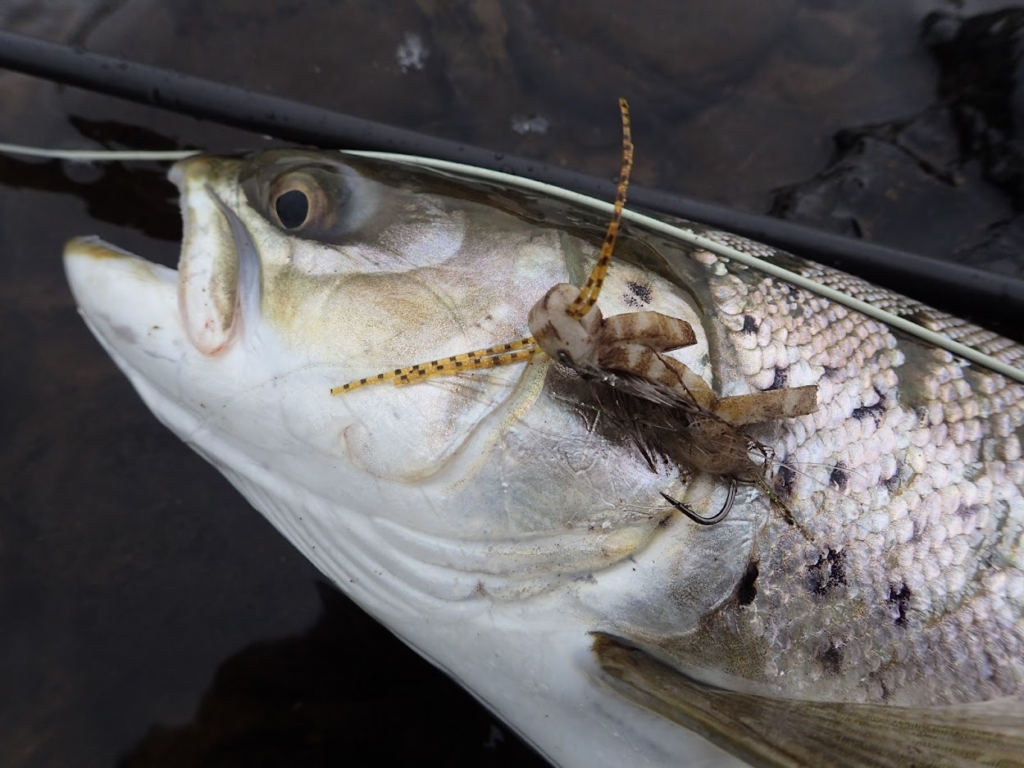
(779,732)
(770,405)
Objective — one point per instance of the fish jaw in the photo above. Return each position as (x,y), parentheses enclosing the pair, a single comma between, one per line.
(131,307)
(232,406)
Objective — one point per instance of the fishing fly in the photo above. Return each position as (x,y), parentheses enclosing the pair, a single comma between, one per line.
(667,408)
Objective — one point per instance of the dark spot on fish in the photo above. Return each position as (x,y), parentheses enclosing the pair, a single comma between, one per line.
(969,510)
(919,318)
(639,293)
(829,372)
(750,324)
(899,604)
(839,478)
(781,379)
(923,415)
(832,659)
(875,412)
(785,479)
(828,574)
(124,333)
(893,483)
(746,591)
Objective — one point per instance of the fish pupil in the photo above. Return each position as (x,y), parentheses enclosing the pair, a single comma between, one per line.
(292,208)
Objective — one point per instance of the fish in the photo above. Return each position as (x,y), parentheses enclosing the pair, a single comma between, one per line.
(503,522)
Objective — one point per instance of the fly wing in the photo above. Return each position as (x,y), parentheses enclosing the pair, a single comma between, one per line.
(769,405)
(773,732)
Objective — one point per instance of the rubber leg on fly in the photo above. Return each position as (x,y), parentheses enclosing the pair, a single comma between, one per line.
(589,293)
(489,357)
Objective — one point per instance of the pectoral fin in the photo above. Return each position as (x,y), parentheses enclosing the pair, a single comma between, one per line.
(774,732)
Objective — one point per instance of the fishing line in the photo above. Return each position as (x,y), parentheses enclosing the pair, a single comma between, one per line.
(100,155)
(689,236)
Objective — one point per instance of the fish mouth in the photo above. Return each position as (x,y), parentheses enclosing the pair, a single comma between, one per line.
(158,323)
(131,307)
(207,303)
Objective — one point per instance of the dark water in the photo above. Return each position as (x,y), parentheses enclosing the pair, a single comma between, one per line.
(148,616)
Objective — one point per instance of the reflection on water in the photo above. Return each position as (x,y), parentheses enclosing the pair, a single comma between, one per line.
(340,689)
(952,173)
(105,187)
(145,609)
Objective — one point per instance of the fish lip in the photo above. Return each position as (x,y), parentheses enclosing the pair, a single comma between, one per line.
(129,303)
(92,248)
(96,247)
(219,283)
(248,284)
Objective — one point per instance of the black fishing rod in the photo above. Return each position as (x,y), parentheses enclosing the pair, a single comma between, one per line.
(954,287)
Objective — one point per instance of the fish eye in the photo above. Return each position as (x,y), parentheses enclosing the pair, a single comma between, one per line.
(292,208)
(299,200)
(308,195)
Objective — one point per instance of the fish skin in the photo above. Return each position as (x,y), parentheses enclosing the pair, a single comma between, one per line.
(910,492)
(493,521)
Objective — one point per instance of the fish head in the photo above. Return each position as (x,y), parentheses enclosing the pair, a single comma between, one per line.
(492,497)
(364,271)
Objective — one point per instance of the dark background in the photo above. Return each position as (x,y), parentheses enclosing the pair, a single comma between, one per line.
(148,616)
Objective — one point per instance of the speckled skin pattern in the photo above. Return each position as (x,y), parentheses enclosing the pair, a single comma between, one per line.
(909,480)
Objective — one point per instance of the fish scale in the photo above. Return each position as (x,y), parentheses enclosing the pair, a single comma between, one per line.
(919,546)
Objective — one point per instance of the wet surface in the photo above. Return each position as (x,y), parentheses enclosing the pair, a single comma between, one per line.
(952,173)
(148,616)
(346,689)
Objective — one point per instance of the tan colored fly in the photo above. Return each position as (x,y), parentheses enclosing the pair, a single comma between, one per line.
(628,352)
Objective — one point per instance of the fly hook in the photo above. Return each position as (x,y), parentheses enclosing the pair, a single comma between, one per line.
(719,517)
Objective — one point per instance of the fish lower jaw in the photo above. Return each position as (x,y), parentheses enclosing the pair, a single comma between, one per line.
(130,304)
(117,291)
(81,253)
